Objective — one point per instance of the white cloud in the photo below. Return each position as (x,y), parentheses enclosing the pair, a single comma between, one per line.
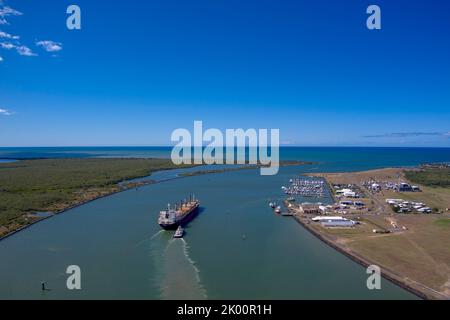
(50,46)
(25,51)
(13,40)
(7,45)
(1,59)
(8,36)
(5,112)
(8,11)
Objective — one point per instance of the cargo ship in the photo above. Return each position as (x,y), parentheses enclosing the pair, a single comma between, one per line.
(179,214)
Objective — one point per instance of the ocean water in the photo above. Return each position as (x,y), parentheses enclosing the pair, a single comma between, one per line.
(236,248)
(84,152)
(356,156)
(7,160)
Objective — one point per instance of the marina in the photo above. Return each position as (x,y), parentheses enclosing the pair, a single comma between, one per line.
(305,187)
(262,151)
(128,238)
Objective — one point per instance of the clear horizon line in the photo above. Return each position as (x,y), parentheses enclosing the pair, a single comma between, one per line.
(169,146)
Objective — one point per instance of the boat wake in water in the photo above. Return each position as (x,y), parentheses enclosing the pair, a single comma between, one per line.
(181,278)
(143,241)
(156,234)
(192,262)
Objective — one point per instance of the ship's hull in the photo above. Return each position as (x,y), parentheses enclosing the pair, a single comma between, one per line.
(182,222)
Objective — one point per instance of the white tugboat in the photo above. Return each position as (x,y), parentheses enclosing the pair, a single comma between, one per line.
(179,233)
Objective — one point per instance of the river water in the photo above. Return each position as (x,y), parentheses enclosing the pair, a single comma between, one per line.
(236,248)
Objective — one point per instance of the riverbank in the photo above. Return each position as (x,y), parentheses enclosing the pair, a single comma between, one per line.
(117,237)
(37,218)
(57,185)
(283,163)
(387,274)
(412,251)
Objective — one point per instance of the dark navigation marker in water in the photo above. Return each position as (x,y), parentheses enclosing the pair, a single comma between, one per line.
(277,259)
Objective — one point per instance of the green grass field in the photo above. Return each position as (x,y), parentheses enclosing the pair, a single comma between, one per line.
(53,184)
(432,177)
(421,253)
(444,223)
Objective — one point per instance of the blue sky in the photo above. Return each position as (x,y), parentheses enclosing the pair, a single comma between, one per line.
(138,70)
